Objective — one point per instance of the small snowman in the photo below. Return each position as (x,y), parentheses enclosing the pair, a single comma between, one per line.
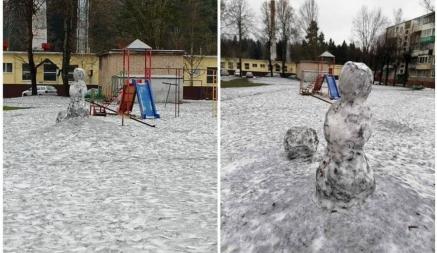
(344,176)
(77,106)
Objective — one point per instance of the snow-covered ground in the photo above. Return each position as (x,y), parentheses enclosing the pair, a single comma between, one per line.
(95,186)
(267,200)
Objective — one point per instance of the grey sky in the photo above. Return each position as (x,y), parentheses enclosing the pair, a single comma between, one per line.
(335,16)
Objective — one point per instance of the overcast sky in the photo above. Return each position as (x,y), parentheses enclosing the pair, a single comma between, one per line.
(335,16)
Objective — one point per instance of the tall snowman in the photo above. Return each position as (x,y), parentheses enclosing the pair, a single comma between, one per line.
(344,176)
(77,106)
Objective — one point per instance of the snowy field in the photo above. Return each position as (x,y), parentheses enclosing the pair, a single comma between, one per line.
(95,186)
(267,200)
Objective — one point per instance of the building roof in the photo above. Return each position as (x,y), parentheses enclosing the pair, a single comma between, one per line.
(327,54)
(138,45)
(428,14)
(154,52)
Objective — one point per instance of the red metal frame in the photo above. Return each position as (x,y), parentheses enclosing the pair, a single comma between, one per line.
(129,91)
(319,79)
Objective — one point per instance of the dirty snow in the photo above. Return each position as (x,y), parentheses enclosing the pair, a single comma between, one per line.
(93,185)
(268,201)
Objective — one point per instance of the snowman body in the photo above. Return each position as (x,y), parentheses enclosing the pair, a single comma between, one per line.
(344,176)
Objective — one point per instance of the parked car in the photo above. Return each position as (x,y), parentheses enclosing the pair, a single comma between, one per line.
(41,90)
(237,72)
(224,72)
(249,75)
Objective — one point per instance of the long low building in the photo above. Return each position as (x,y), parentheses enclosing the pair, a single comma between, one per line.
(261,67)
(257,67)
(105,70)
(16,72)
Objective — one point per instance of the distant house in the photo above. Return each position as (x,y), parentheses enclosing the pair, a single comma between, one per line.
(200,76)
(257,67)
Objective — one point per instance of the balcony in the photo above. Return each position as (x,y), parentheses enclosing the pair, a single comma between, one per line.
(417,52)
(426,40)
(424,66)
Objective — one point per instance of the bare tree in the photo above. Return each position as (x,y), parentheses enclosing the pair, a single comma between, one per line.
(238,17)
(191,66)
(69,21)
(27,10)
(397,16)
(285,18)
(428,5)
(367,25)
(269,29)
(308,12)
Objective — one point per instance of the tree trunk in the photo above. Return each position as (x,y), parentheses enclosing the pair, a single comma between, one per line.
(30,50)
(406,74)
(380,72)
(269,52)
(284,56)
(387,71)
(240,34)
(66,51)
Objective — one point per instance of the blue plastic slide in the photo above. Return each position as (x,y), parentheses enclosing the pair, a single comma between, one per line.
(334,93)
(145,99)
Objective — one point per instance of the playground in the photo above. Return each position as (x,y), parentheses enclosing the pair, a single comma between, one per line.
(93,185)
(268,200)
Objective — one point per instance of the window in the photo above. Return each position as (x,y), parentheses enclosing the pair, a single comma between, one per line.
(262,65)
(211,75)
(285,68)
(222,65)
(50,72)
(230,65)
(277,67)
(25,75)
(254,65)
(70,72)
(246,66)
(7,67)
(238,66)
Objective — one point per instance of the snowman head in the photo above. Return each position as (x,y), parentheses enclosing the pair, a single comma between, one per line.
(355,81)
(78,74)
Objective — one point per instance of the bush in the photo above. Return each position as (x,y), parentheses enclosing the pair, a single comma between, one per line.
(95,94)
(417,87)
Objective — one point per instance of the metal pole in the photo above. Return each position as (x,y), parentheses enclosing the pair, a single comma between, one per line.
(179,94)
(175,90)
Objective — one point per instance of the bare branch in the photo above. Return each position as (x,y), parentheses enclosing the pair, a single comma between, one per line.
(428,5)
(367,25)
(308,12)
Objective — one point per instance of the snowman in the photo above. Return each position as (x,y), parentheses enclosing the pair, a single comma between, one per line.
(77,106)
(344,176)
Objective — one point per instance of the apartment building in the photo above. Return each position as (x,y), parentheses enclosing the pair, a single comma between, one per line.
(414,40)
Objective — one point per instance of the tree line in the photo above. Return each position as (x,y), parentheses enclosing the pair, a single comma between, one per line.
(298,37)
(189,25)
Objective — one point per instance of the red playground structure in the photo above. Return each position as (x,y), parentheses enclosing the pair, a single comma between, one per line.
(330,60)
(131,88)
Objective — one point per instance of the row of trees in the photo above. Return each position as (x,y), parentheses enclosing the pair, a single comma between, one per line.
(298,36)
(189,25)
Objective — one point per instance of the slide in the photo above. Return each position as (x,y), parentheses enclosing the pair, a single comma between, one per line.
(334,93)
(145,99)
